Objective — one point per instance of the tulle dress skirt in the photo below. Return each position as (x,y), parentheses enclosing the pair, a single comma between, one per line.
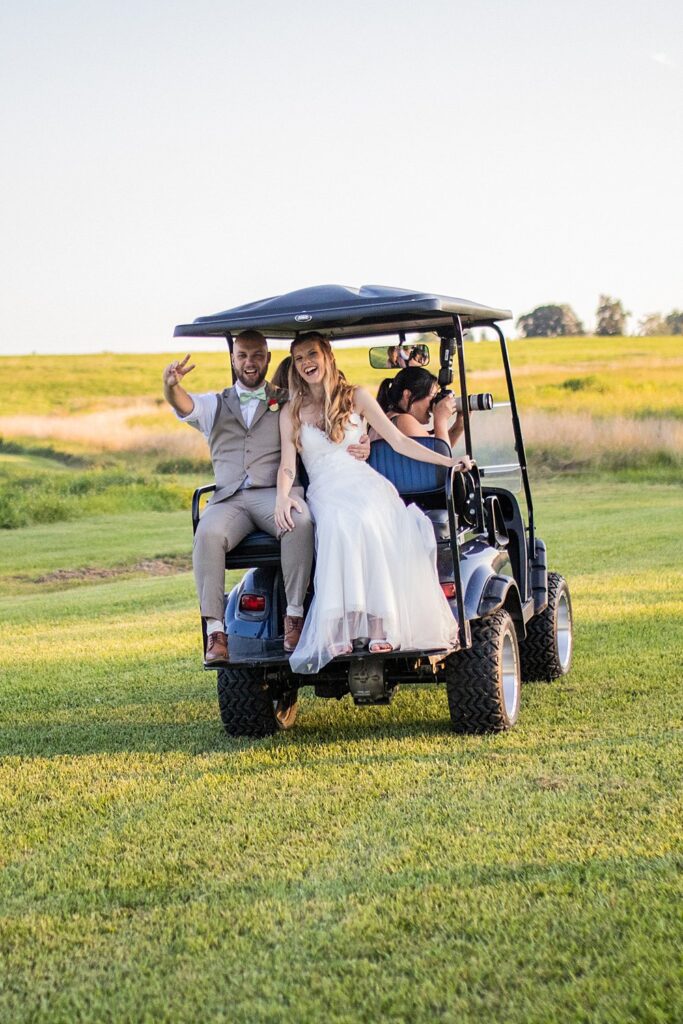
(375,573)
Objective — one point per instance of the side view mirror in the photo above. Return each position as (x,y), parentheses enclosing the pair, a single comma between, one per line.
(396,357)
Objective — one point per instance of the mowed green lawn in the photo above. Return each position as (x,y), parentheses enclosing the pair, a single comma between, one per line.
(369,865)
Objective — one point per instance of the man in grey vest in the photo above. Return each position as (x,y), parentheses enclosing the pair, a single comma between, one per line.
(242,427)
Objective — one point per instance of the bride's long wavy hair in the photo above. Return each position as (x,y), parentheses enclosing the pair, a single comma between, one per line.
(337,392)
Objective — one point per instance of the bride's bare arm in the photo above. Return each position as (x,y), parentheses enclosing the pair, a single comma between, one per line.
(366,406)
(285,475)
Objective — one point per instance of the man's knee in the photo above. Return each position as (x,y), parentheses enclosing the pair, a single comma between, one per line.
(303,518)
(210,536)
(297,544)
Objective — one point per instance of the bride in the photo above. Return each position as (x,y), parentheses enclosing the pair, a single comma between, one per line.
(375,575)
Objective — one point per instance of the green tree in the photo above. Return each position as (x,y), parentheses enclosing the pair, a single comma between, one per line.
(550,322)
(674,322)
(610,316)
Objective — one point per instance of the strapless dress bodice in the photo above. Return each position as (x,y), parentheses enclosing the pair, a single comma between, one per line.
(316,445)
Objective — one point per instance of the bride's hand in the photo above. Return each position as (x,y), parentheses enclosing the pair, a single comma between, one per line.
(462,463)
(283,513)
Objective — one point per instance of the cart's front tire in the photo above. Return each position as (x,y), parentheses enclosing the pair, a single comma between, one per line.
(247,706)
(547,650)
(483,682)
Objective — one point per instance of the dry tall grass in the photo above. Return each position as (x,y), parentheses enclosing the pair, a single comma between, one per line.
(582,438)
(111,431)
(593,436)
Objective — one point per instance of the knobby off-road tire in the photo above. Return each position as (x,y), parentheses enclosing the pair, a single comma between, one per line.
(247,706)
(547,651)
(483,682)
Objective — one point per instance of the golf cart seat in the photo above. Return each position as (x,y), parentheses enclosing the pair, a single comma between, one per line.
(419,482)
(257,550)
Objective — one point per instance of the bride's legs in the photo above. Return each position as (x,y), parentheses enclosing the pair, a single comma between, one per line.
(378,641)
(338,650)
(338,645)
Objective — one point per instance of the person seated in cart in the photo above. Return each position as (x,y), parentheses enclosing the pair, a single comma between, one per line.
(241,425)
(411,399)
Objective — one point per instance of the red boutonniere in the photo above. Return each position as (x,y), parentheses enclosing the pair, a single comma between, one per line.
(273,405)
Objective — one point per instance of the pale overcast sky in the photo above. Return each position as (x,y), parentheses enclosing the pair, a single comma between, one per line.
(166,160)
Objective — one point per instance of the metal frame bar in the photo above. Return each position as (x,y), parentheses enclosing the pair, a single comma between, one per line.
(206,489)
(462,373)
(464,635)
(519,441)
(506,467)
(229,339)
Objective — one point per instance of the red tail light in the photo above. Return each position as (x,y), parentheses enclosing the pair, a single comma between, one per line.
(448,589)
(252,603)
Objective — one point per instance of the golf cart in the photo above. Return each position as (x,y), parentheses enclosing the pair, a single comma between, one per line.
(514,617)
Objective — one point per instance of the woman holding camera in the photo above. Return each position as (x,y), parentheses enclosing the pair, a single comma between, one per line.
(410,398)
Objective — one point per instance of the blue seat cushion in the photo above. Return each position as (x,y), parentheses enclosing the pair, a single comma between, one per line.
(408,476)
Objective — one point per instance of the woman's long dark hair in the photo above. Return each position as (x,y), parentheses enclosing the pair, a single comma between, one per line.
(415,379)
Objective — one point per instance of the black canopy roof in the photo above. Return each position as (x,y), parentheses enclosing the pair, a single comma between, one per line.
(344,313)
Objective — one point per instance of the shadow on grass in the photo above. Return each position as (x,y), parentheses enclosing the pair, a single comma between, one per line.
(314,740)
(205,735)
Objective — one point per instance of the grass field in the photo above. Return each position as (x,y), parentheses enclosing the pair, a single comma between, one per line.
(369,865)
(608,376)
(588,404)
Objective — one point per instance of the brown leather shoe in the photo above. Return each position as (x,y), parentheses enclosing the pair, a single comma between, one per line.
(293,626)
(216,649)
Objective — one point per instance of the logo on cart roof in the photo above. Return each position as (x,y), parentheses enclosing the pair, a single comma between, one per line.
(303,318)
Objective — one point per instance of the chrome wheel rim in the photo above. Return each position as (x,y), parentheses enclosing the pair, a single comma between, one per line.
(510,675)
(564,632)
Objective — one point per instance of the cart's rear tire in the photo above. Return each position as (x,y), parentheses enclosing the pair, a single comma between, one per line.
(483,682)
(547,651)
(247,705)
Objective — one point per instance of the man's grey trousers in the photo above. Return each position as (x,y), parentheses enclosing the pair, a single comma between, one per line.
(224,525)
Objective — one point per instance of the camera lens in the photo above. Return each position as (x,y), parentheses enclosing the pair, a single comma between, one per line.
(480,402)
(477,403)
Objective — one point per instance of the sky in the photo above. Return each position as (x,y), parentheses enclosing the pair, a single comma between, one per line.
(167,160)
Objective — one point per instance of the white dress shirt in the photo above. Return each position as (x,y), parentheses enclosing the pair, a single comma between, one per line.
(204,412)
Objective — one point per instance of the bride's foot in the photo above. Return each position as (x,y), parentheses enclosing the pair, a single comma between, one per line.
(339,650)
(380,647)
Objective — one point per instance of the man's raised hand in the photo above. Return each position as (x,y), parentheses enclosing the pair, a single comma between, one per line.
(175,371)
(176,396)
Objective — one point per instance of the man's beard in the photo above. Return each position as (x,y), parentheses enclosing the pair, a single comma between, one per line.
(251,385)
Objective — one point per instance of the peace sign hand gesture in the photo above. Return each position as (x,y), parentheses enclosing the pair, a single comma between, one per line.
(175,371)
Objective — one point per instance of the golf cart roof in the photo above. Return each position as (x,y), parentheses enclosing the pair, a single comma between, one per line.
(344,313)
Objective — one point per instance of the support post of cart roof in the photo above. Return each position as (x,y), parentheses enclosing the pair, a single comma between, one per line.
(229,339)
(460,348)
(519,441)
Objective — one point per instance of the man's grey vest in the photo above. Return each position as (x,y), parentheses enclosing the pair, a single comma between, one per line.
(238,452)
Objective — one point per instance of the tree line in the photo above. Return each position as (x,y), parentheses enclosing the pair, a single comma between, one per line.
(554,321)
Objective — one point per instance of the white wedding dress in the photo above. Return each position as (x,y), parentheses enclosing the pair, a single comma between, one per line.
(375,573)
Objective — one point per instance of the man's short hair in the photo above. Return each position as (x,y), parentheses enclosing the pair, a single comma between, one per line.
(254,337)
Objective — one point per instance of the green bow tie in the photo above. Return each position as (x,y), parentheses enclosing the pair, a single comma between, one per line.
(246,396)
